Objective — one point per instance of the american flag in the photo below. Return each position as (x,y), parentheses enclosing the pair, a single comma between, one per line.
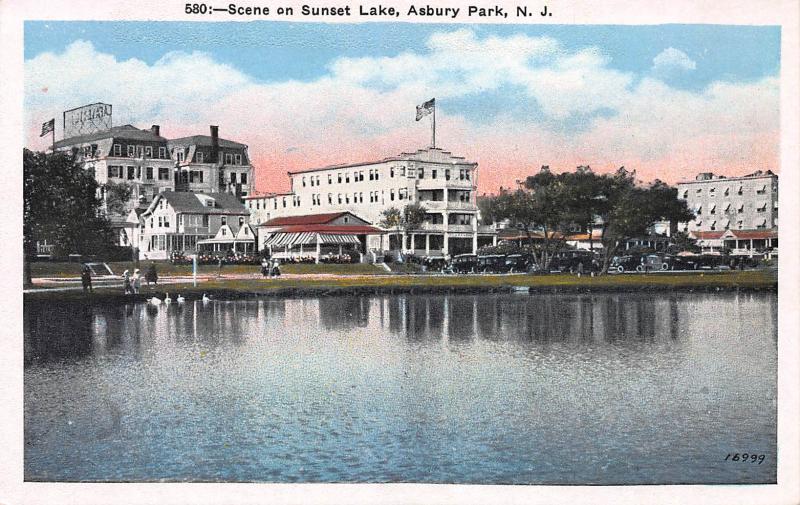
(48,126)
(426,108)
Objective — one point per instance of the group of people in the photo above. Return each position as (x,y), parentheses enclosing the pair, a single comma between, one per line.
(270,267)
(131,284)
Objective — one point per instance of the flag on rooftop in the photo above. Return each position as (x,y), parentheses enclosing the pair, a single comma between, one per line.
(426,108)
(48,126)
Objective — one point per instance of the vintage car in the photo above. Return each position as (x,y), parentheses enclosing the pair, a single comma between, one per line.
(491,263)
(516,263)
(465,263)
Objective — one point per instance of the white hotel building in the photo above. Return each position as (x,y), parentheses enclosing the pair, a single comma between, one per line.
(738,213)
(445,186)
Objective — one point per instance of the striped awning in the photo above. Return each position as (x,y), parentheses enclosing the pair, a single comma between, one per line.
(290,239)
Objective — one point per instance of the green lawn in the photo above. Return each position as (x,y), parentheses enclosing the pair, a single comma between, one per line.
(757,279)
(333,269)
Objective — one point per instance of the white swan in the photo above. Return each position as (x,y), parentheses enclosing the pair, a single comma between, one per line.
(180,299)
(206,299)
(155,300)
(167,299)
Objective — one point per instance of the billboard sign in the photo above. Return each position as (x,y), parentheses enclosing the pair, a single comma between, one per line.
(87,119)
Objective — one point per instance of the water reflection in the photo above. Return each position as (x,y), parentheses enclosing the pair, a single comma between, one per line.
(74,330)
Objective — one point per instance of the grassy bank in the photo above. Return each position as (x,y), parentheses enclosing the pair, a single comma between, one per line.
(233,288)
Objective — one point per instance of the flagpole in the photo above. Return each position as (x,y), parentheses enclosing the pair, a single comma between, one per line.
(433,127)
(54,137)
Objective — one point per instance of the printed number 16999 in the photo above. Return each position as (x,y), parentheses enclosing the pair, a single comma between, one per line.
(745,457)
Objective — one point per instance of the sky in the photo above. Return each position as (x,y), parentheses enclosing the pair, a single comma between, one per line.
(668,101)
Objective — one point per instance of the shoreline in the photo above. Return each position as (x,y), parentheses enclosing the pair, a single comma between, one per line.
(248,288)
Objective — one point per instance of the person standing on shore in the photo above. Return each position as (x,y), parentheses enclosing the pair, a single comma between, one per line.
(580,268)
(136,281)
(219,267)
(126,282)
(151,276)
(86,278)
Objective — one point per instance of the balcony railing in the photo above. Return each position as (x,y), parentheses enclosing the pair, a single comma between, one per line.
(441,182)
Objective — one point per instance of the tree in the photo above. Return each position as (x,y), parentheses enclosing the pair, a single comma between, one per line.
(633,209)
(391,218)
(413,217)
(60,205)
(117,197)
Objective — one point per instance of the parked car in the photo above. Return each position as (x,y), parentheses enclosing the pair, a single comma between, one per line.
(653,262)
(465,263)
(435,264)
(516,263)
(627,263)
(492,263)
(568,261)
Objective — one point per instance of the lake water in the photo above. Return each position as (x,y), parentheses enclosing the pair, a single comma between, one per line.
(527,389)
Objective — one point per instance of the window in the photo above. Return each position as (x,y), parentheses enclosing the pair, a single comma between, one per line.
(160,221)
(466,174)
(339,177)
(421,173)
(402,194)
(447,174)
(391,172)
(391,194)
(330,178)
(377,174)
(712,209)
(433,173)
(162,152)
(223,220)
(117,150)
(361,175)
(131,151)
(284,202)
(304,182)
(241,220)
(372,175)
(148,151)
(163,173)
(243,177)
(360,197)
(151,223)
(461,175)
(311,181)
(340,198)
(761,190)
(740,208)
(402,171)
(228,159)
(712,191)
(330,198)
(233,177)
(685,194)
(347,177)
(347,198)
(199,157)
(739,191)
(179,155)
(727,191)
(140,151)
(238,159)
(205,220)
(148,173)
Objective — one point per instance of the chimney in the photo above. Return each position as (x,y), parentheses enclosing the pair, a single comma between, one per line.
(156,130)
(214,144)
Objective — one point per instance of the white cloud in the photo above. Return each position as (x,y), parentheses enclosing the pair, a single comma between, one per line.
(364,108)
(672,60)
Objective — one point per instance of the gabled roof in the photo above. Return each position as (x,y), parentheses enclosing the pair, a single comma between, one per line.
(126,132)
(356,229)
(184,201)
(706,235)
(751,234)
(205,141)
(306,219)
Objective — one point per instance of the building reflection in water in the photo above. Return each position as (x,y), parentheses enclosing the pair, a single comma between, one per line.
(75,330)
